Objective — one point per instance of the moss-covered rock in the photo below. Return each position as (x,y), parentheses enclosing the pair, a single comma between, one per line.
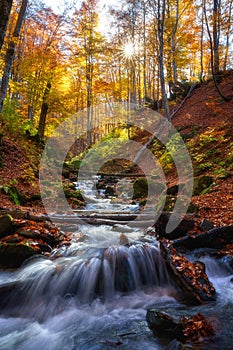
(141,187)
(6,225)
(202,184)
(13,255)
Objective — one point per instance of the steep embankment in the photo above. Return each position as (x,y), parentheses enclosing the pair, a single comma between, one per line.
(19,172)
(206,121)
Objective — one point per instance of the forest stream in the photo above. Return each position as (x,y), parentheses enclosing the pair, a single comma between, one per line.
(94,294)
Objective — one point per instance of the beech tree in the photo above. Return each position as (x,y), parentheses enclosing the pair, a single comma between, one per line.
(87,47)
(39,74)
(10,52)
(5,9)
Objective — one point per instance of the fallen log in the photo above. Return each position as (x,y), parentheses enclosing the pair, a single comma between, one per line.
(217,238)
(23,214)
(191,277)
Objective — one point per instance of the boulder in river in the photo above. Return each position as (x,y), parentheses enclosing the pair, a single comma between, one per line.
(185,225)
(186,329)
(191,277)
(163,326)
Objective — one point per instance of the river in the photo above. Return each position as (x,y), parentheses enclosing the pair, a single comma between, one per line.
(93,295)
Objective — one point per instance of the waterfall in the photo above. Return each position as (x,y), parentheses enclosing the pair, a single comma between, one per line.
(86,275)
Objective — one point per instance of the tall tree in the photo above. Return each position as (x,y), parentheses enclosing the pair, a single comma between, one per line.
(161,11)
(216,33)
(41,65)
(87,46)
(227,27)
(10,53)
(214,58)
(5,9)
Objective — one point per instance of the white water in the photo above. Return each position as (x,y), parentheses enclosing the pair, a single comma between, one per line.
(94,294)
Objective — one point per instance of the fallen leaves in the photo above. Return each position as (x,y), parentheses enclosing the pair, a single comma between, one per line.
(196,328)
(188,274)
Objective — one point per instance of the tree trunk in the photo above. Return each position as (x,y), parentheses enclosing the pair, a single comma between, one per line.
(228,33)
(161,18)
(44,111)
(216,34)
(144,53)
(201,43)
(11,52)
(5,10)
(212,57)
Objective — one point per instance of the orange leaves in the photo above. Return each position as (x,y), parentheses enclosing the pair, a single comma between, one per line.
(196,327)
(192,272)
(190,276)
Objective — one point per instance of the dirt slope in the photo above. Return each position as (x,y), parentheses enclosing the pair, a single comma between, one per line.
(207,111)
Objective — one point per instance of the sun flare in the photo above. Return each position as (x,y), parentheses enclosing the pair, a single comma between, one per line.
(128,50)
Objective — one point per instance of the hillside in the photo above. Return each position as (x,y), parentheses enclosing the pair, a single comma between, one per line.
(207,114)
(206,123)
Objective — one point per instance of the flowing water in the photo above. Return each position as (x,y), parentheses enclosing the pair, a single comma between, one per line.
(94,294)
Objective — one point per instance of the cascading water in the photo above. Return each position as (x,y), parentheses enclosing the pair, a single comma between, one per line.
(93,295)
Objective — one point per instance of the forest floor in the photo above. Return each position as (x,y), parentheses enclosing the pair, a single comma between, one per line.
(204,115)
(210,114)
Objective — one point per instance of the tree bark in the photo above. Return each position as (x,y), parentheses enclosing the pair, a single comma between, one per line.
(10,53)
(161,19)
(44,111)
(228,33)
(5,10)
(212,57)
(216,34)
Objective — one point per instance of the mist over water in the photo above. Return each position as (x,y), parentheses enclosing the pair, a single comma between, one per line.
(94,294)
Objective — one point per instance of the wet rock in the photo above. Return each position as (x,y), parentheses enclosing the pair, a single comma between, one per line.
(112,343)
(13,255)
(6,225)
(140,188)
(181,230)
(177,345)
(163,326)
(123,239)
(29,233)
(187,329)
(206,225)
(190,277)
(12,239)
(110,191)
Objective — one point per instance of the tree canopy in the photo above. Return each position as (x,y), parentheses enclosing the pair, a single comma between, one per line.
(53,65)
